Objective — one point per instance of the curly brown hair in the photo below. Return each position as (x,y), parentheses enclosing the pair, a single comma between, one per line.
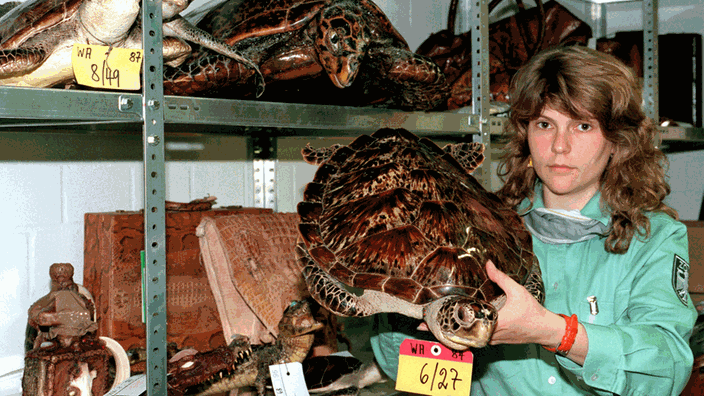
(587,84)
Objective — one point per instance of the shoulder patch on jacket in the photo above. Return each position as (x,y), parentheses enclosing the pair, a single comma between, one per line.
(680,278)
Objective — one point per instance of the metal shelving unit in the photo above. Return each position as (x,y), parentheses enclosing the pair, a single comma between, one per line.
(155,114)
(672,139)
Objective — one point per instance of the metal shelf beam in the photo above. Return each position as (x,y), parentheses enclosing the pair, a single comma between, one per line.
(58,104)
(323,117)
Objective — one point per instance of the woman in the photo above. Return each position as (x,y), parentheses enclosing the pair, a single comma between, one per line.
(582,170)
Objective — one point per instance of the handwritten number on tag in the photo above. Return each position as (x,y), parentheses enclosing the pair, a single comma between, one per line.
(107,75)
(442,376)
(135,56)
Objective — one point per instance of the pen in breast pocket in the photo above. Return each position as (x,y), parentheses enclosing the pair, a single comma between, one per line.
(593,308)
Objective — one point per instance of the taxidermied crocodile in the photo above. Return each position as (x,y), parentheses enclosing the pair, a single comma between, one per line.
(194,373)
(295,339)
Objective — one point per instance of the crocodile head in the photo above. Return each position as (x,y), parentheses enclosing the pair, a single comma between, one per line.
(190,370)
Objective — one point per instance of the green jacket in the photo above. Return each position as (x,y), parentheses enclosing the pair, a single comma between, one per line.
(638,341)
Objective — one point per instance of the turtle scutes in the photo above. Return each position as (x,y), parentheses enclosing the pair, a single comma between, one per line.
(402,219)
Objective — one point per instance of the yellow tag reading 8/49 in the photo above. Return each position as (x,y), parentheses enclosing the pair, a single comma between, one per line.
(99,66)
(430,368)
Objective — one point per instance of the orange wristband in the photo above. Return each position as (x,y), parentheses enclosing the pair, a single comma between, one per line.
(568,339)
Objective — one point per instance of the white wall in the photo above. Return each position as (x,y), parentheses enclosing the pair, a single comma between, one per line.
(43,202)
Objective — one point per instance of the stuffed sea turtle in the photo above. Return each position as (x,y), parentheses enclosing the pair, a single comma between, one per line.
(394,215)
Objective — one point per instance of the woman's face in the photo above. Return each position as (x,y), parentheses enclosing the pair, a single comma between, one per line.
(569,155)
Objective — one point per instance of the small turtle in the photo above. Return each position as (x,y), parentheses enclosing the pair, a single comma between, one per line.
(301,40)
(339,375)
(37,37)
(403,220)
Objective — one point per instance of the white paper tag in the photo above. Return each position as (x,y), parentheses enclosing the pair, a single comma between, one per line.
(287,379)
(135,385)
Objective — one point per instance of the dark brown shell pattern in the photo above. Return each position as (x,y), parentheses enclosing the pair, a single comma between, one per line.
(32,17)
(395,213)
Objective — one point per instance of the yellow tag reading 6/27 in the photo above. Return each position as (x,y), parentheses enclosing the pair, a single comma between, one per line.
(100,66)
(430,368)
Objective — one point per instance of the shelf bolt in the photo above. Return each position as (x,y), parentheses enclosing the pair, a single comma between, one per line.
(153,140)
(125,104)
(153,104)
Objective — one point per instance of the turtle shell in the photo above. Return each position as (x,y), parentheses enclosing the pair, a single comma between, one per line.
(395,213)
(299,44)
(32,17)
(321,371)
(235,21)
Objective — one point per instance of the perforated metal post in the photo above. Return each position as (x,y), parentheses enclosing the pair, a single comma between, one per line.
(479,17)
(154,196)
(650,60)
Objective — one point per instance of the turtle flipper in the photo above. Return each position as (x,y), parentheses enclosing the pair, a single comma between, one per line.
(534,283)
(208,73)
(180,27)
(330,294)
(461,322)
(7,7)
(469,155)
(318,156)
(417,82)
(20,61)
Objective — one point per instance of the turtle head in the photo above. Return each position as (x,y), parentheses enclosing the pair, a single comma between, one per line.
(341,42)
(461,322)
(171,8)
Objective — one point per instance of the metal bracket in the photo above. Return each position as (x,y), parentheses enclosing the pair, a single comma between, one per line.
(262,151)
(130,104)
(598,22)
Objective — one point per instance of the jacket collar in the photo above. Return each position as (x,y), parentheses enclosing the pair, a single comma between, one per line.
(559,226)
(591,210)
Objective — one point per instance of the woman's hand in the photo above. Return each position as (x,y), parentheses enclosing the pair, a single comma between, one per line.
(522,319)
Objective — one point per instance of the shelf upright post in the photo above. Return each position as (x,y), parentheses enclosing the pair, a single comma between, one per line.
(650,60)
(479,19)
(154,197)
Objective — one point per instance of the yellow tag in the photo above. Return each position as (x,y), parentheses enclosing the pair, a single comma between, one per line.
(430,368)
(99,66)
